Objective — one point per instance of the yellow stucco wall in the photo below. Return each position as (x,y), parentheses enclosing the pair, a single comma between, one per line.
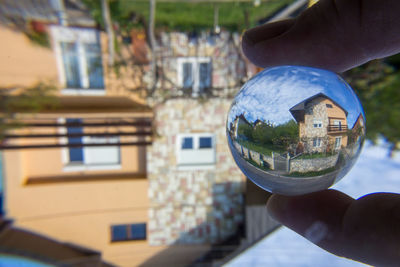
(336,113)
(22,63)
(80,212)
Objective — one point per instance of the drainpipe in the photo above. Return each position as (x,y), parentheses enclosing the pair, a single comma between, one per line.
(105,9)
(217,29)
(59,8)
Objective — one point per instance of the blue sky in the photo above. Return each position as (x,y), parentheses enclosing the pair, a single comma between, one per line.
(270,94)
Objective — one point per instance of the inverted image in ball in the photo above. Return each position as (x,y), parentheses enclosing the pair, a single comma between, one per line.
(295,130)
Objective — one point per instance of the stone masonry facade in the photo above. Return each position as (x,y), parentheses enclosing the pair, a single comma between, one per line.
(192,206)
(315,111)
(229,69)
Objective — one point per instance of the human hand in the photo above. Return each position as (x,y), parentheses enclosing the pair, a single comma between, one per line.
(332,34)
(336,35)
(366,230)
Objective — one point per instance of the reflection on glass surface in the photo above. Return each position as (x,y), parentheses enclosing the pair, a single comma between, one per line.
(294,130)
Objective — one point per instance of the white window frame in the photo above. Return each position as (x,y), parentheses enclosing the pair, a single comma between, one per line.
(195,61)
(317,124)
(196,158)
(80,37)
(337,122)
(70,167)
(318,142)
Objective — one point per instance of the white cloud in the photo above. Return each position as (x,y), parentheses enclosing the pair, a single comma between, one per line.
(269,95)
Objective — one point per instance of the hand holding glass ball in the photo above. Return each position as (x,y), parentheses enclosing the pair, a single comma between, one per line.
(295,130)
(336,35)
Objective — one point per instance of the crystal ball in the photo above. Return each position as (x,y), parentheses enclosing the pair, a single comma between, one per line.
(294,130)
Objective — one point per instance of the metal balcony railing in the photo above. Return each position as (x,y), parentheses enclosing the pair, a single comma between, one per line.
(336,128)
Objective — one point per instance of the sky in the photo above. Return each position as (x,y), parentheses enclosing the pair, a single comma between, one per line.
(271,93)
(373,172)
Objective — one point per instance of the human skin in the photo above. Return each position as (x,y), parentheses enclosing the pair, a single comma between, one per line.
(336,35)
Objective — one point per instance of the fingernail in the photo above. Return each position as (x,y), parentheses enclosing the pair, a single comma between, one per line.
(277,206)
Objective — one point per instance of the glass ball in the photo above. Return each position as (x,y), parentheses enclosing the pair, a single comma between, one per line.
(295,130)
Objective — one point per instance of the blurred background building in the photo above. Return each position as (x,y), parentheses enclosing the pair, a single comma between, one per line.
(124,156)
(113,131)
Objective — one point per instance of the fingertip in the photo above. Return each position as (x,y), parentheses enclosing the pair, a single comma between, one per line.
(247,45)
(267,31)
(277,206)
(262,33)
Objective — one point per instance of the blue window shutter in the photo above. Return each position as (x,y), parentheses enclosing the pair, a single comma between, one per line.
(119,232)
(205,142)
(126,232)
(75,153)
(187,143)
(138,231)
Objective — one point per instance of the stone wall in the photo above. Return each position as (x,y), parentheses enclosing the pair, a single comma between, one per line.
(192,206)
(229,69)
(315,110)
(317,164)
(255,156)
(295,165)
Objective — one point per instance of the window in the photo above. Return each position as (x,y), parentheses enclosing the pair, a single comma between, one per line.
(317,142)
(187,143)
(94,66)
(338,124)
(195,151)
(205,142)
(194,73)
(126,232)
(75,153)
(338,142)
(71,64)
(317,124)
(81,158)
(79,60)
(329,106)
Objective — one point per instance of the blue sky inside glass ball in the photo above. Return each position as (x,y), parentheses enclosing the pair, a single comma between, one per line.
(270,94)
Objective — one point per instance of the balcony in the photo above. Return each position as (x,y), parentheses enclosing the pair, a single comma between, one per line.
(333,128)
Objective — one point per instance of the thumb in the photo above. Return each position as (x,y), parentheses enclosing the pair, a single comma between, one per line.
(366,229)
(333,34)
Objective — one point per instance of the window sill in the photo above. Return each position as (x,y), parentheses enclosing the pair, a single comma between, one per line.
(192,167)
(83,167)
(127,241)
(74,91)
(84,178)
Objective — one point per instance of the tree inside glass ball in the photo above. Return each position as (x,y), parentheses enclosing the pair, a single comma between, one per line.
(294,130)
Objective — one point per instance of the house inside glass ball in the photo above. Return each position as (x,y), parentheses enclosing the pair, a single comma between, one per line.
(294,130)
